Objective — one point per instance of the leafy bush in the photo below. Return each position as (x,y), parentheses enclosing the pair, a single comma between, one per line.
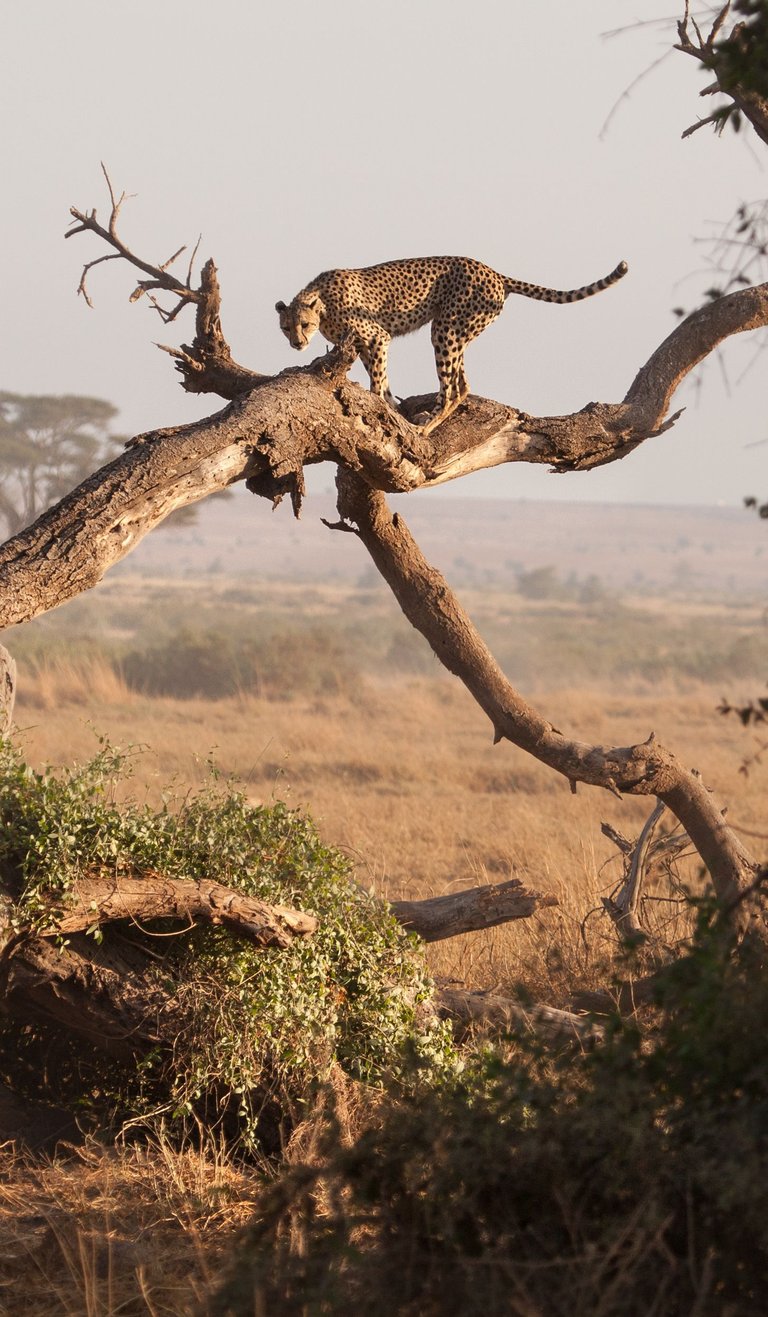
(628,1182)
(257,1025)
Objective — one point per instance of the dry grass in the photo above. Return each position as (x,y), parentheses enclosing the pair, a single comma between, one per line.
(144,1228)
(405,778)
(53,682)
(128,1230)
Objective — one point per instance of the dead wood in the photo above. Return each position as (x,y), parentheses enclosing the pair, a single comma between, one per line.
(109,992)
(99,899)
(108,995)
(441,917)
(7,690)
(624,999)
(623,905)
(311,415)
(469,1008)
(645,769)
(273,427)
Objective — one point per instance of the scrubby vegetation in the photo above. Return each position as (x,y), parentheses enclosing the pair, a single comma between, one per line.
(628,1182)
(275,641)
(399,1175)
(257,1029)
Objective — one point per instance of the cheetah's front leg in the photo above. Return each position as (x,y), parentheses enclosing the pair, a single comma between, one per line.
(373,346)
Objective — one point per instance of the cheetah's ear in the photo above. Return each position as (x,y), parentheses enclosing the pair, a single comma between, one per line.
(280,306)
(314,300)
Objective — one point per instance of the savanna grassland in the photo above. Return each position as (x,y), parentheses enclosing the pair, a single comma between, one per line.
(317,693)
(324,696)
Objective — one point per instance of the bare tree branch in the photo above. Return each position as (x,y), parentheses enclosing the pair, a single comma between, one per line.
(206,366)
(622,906)
(709,50)
(101,898)
(646,769)
(441,917)
(469,1008)
(279,425)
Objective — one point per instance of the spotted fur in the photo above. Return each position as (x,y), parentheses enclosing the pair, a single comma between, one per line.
(459,296)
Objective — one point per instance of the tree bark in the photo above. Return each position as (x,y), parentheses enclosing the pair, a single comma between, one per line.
(106,995)
(469,1008)
(108,992)
(465,912)
(99,899)
(310,415)
(645,769)
(7,690)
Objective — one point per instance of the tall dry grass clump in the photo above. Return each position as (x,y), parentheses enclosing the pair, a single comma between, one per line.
(141,1228)
(50,682)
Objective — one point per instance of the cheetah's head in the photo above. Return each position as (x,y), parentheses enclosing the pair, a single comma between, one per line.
(301,319)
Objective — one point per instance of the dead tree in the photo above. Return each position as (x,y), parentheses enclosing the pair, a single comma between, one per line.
(268,430)
(272,427)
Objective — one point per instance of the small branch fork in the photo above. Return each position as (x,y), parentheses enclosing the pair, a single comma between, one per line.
(707,50)
(206,365)
(624,903)
(160,279)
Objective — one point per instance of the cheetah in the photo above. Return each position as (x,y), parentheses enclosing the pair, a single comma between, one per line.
(458,295)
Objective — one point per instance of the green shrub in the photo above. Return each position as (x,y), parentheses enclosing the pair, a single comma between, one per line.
(628,1182)
(256,1025)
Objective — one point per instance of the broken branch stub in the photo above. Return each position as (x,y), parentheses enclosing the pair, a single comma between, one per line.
(441,917)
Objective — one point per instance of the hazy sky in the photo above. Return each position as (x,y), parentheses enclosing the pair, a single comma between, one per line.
(298,137)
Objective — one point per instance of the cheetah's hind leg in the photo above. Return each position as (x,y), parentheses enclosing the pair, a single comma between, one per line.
(435,418)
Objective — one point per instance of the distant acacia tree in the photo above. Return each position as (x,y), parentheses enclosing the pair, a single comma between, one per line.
(48,444)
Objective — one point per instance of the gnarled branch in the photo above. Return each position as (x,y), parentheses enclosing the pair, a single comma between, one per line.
(103,898)
(314,414)
(646,769)
(206,366)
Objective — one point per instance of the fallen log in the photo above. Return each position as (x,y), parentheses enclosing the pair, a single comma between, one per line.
(101,898)
(470,1007)
(440,917)
(109,992)
(108,995)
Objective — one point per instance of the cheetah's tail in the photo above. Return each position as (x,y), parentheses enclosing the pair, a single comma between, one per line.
(575,294)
